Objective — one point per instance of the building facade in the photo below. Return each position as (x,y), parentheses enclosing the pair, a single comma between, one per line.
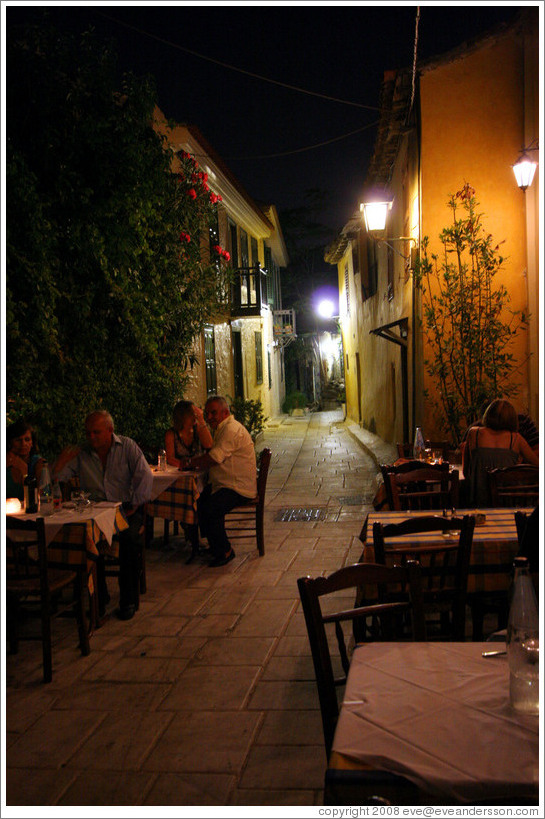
(462,118)
(238,355)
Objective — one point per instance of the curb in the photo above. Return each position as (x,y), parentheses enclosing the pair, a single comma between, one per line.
(387,453)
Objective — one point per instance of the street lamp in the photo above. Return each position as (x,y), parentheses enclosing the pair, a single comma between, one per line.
(326,309)
(524,169)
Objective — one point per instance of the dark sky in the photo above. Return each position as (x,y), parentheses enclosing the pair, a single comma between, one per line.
(338,51)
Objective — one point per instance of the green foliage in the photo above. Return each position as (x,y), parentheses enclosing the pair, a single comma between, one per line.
(464,314)
(295,400)
(250,414)
(107,283)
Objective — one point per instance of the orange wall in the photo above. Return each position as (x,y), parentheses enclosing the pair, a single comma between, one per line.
(472,131)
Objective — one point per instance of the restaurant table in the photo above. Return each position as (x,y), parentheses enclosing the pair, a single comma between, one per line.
(102,521)
(437,714)
(174,497)
(495,544)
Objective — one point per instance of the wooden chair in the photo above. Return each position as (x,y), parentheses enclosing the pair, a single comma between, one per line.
(33,581)
(353,578)
(246,520)
(445,568)
(514,486)
(400,468)
(405,450)
(432,486)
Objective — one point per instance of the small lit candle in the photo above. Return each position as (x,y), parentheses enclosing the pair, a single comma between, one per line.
(13,506)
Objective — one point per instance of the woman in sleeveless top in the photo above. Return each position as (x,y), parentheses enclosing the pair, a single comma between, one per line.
(495,444)
(188,436)
(22,458)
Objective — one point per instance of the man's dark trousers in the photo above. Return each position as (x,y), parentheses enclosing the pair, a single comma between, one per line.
(212,519)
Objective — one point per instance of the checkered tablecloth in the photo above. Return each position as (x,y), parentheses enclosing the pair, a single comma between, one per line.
(495,544)
(178,501)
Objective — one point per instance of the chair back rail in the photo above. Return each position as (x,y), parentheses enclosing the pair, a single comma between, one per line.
(514,486)
(314,591)
(405,466)
(431,486)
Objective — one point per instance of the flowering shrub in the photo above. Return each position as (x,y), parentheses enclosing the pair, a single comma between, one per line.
(110,278)
(467,321)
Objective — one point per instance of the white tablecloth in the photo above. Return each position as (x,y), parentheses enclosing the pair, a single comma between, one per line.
(103,513)
(439,714)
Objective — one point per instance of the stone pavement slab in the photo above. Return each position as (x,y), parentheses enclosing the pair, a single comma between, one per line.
(207,697)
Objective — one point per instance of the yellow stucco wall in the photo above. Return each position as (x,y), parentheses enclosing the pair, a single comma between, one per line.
(379,405)
(472,131)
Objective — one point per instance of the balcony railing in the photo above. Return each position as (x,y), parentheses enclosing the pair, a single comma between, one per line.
(249,291)
(284,327)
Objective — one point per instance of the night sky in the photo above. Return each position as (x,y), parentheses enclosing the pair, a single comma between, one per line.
(260,128)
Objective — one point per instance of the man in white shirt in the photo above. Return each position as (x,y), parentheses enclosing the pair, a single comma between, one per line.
(232,476)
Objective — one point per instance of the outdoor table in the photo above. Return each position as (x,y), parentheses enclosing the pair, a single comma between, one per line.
(495,544)
(437,714)
(174,497)
(102,521)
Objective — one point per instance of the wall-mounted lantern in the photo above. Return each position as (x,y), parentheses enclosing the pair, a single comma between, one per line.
(525,167)
(374,214)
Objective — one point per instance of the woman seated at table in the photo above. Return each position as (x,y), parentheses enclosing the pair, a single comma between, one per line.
(188,436)
(22,457)
(494,445)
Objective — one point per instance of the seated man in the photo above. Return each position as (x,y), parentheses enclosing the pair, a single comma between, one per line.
(232,476)
(112,467)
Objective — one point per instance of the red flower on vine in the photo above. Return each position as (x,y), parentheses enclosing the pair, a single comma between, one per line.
(223,253)
(185,237)
(192,193)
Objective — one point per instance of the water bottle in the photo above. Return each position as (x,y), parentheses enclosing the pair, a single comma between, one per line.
(57,497)
(418,448)
(30,489)
(162,461)
(523,642)
(46,492)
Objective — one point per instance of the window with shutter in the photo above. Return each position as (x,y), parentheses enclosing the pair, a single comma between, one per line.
(347,289)
(210,359)
(259,357)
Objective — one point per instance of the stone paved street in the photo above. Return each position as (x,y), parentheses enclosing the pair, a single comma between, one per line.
(206,697)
